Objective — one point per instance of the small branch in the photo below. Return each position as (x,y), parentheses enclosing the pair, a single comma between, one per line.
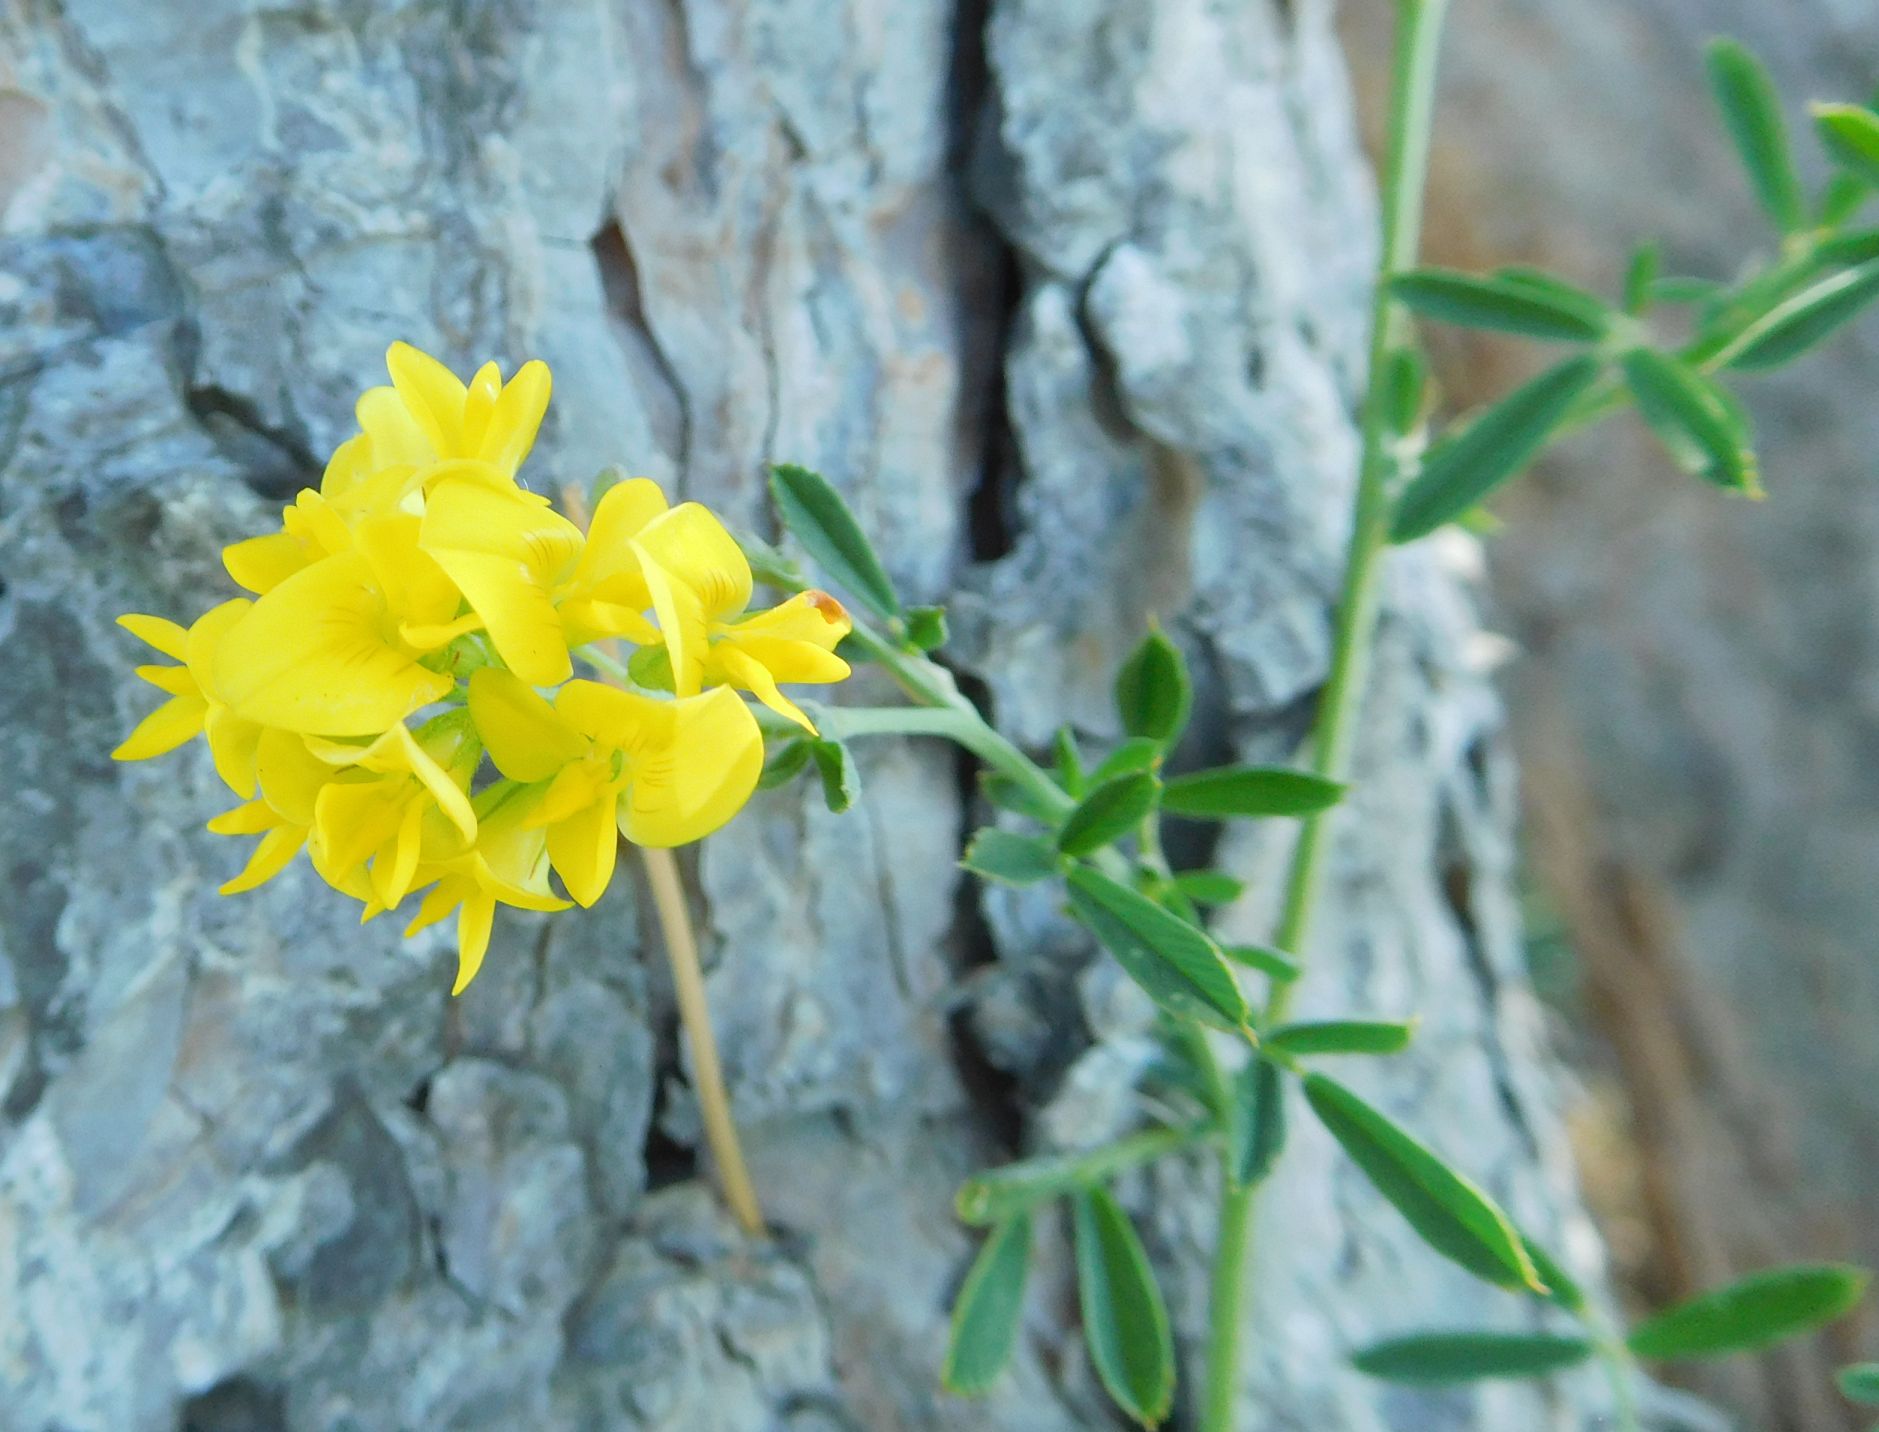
(688,981)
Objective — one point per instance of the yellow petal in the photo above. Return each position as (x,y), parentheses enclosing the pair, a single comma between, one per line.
(433,395)
(813,617)
(517,417)
(788,660)
(447,794)
(621,720)
(313,656)
(271,856)
(165,635)
(609,568)
(743,671)
(525,737)
(249,819)
(289,775)
(262,563)
(393,870)
(473,925)
(692,545)
(416,589)
(463,514)
(396,437)
(351,820)
(692,784)
(171,680)
(518,613)
(206,635)
(478,404)
(583,847)
(439,901)
(584,620)
(164,729)
(684,624)
(233,743)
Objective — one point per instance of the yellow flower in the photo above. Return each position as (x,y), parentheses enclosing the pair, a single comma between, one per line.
(700,583)
(289,778)
(607,763)
(508,865)
(399,799)
(335,649)
(193,707)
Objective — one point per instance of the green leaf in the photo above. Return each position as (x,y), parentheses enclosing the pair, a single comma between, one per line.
(1209,887)
(1462,470)
(1854,247)
(1125,1322)
(1228,791)
(787,764)
(1804,320)
(1431,1359)
(1256,1130)
(1016,797)
(1406,380)
(1011,859)
(1068,760)
(1696,421)
(1860,1383)
(1000,1193)
(1851,134)
(987,1310)
(1114,809)
(926,628)
(1682,289)
(1342,1036)
(1275,964)
(1845,195)
(1563,1289)
(1761,1309)
(815,512)
(1641,278)
(1449,1212)
(1506,304)
(1138,753)
(1153,693)
(1178,965)
(651,667)
(841,782)
(1752,111)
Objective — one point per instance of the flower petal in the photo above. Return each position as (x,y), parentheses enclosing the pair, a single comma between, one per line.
(517,417)
(432,394)
(692,784)
(749,674)
(262,563)
(313,656)
(233,743)
(691,544)
(272,853)
(583,849)
(164,729)
(524,735)
(160,632)
(289,775)
(812,616)
(473,926)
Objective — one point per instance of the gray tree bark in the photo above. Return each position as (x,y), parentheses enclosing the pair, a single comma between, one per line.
(1069,299)
(1694,701)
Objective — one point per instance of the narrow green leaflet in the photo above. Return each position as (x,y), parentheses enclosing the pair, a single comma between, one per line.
(1229,791)
(1009,858)
(1342,1036)
(1851,134)
(1257,1126)
(1209,887)
(1407,383)
(926,628)
(1178,965)
(1002,1193)
(1855,246)
(1752,111)
(987,1311)
(1106,814)
(1695,420)
(1068,759)
(1809,317)
(1153,693)
(1563,1288)
(1860,1383)
(1125,1322)
(1016,797)
(1138,753)
(1506,304)
(784,766)
(841,782)
(1432,1359)
(1761,1309)
(1270,962)
(1641,278)
(821,521)
(1461,471)
(1451,1214)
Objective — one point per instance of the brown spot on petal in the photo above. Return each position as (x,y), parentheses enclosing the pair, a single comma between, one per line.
(832,611)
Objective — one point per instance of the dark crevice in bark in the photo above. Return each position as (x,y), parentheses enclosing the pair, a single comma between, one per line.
(655,378)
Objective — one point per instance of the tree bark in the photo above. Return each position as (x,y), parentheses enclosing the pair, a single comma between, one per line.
(1069,300)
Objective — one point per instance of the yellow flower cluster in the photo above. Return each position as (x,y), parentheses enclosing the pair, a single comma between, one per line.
(398,694)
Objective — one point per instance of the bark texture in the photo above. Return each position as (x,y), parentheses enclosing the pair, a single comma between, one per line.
(1695,703)
(1068,298)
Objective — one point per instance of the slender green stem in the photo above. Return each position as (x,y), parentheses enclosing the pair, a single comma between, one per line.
(1619,1367)
(1016,1187)
(1412,106)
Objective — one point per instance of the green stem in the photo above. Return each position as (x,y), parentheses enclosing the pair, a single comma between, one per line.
(1016,1187)
(1412,107)
(1619,1368)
